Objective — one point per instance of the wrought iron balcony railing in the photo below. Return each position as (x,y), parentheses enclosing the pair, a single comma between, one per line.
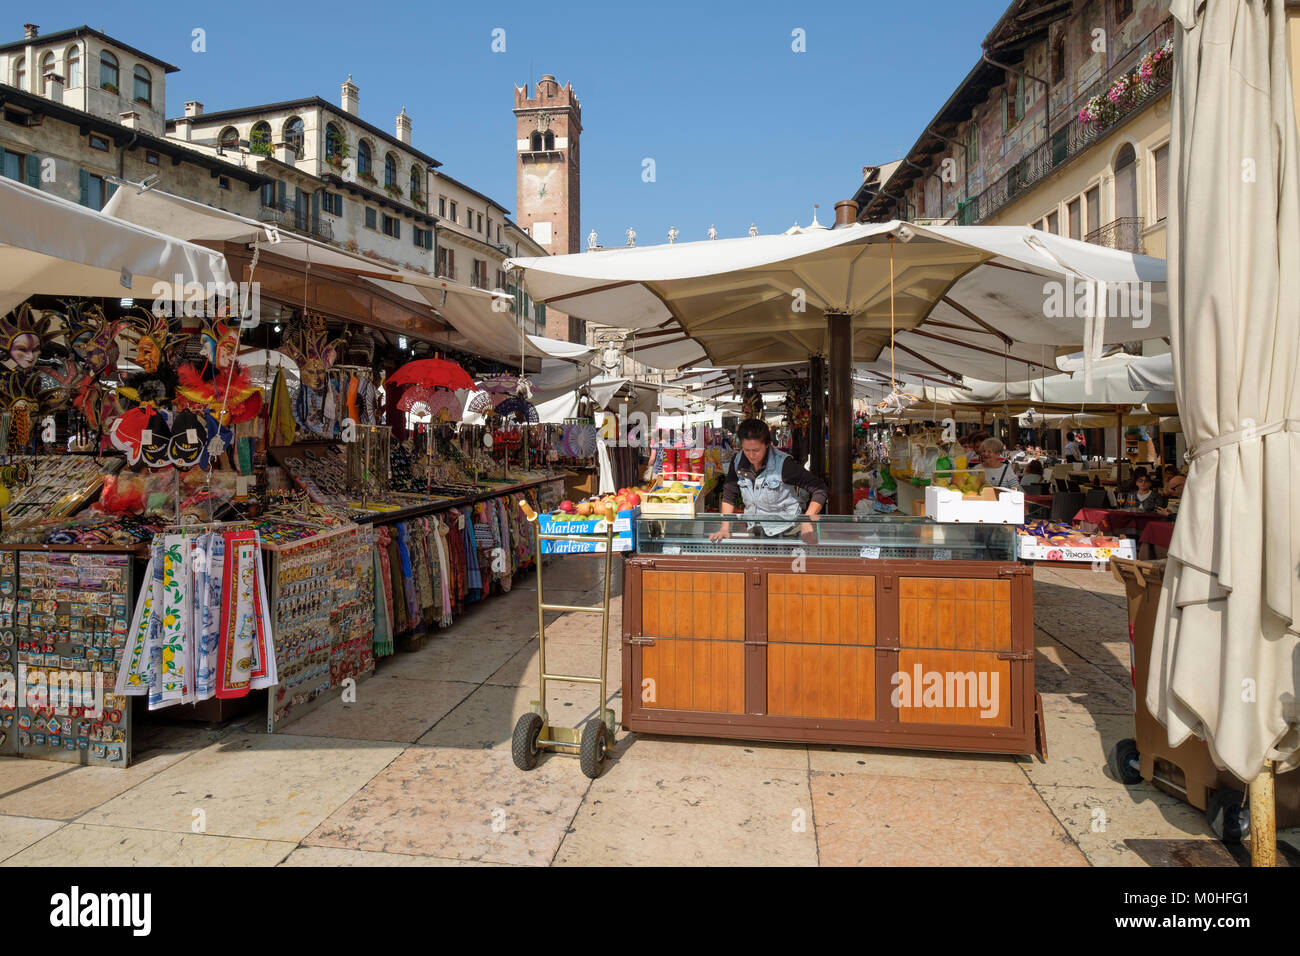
(1124,234)
(1070,134)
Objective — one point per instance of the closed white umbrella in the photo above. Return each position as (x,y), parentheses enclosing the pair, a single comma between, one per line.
(1226,651)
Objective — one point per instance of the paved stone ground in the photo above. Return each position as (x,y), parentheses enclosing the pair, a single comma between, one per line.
(418,772)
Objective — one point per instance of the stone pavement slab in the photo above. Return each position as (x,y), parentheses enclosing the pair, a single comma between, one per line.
(1099,820)
(867,820)
(453,657)
(80,845)
(60,791)
(334,856)
(460,804)
(267,786)
(669,813)
(990,768)
(18,833)
(386,708)
(485,720)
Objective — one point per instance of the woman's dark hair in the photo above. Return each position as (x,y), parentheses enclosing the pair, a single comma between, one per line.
(1141,473)
(754,429)
(1035,467)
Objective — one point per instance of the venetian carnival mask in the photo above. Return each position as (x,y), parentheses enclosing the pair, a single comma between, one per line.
(312,351)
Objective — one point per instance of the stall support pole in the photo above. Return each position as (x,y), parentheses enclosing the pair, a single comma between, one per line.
(1119,449)
(817,415)
(839,343)
(1263,822)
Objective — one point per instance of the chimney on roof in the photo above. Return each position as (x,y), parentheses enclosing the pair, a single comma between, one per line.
(30,31)
(846,213)
(351,96)
(193,108)
(130,119)
(55,89)
(404,127)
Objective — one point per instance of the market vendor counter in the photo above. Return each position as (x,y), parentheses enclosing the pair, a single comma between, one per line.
(867,630)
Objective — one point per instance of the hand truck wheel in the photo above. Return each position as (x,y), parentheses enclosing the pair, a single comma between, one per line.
(591,751)
(523,745)
(1123,760)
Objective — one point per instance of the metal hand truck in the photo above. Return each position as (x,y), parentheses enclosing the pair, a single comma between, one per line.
(533,732)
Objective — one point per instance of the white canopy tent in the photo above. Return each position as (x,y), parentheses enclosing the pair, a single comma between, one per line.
(482,320)
(975,300)
(54,247)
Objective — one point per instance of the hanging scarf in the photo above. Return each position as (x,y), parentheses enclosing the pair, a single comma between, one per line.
(169,679)
(444,570)
(383,624)
(280,427)
(401,621)
(133,678)
(408,578)
(209,562)
(239,616)
(384,594)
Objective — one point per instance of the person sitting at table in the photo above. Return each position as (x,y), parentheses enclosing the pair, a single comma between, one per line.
(997,472)
(1174,481)
(1145,497)
(1073,450)
(1032,482)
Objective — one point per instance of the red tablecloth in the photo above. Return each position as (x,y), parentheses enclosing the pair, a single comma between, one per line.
(1113,519)
(1044,500)
(1158,533)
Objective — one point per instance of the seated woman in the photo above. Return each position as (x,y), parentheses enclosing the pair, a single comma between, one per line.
(1031,482)
(1174,481)
(997,472)
(1145,497)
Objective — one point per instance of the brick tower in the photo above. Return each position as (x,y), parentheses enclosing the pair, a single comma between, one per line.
(547,187)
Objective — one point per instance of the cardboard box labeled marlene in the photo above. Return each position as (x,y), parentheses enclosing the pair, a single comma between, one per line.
(624,532)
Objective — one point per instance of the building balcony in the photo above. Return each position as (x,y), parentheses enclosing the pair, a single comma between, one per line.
(1123,234)
(444,272)
(1080,125)
(287,215)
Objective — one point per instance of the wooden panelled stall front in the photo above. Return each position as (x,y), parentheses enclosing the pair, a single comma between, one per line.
(934,655)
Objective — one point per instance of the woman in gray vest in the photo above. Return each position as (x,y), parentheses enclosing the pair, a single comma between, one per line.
(768,483)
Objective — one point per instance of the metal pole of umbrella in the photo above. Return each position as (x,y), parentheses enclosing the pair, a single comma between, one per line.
(839,341)
(817,415)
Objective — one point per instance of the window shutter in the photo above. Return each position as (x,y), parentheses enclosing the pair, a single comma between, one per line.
(33,171)
(85,188)
(1162,183)
(397,229)
(109,189)
(279,190)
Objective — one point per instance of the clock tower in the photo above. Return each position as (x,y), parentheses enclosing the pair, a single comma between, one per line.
(548,126)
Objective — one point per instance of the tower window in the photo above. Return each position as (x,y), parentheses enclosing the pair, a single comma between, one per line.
(550,140)
(536,142)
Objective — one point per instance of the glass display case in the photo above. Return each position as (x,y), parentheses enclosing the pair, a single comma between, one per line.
(828,536)
(869,630)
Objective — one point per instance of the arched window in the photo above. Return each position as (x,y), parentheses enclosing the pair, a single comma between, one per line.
(229,138)
(47,71)
(20,73)
(293,135)
(390,170)
(550,140)
(1126,204)
(74,66)
(143,86)
(1058,60)
(417,185)
(536,142)
(363,159)
(108,72)
(334,141)
(259,140)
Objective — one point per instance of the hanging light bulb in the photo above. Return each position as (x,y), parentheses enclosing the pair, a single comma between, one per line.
(277,327)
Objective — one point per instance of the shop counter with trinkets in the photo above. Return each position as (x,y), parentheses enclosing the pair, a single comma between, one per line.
(867,630)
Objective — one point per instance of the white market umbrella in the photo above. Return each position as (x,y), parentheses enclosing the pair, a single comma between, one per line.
(50,246)
(1226,651)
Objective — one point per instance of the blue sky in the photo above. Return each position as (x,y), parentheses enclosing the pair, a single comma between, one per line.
(741,128)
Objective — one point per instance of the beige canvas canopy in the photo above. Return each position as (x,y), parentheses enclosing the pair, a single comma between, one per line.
(54,247)
(1226,653)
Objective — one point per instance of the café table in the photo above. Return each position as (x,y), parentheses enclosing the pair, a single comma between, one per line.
(1116,519)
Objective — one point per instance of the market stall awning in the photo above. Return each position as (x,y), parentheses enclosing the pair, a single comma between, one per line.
(966,299)
(1110,388)
(54,247)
